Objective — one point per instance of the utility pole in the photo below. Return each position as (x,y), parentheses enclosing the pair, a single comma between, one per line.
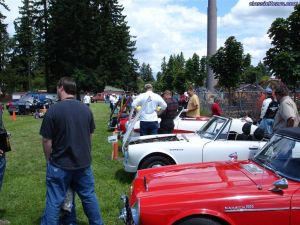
(211,40)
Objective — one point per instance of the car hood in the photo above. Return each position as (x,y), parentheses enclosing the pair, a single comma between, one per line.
(163,138)
(200,177)
(208,175)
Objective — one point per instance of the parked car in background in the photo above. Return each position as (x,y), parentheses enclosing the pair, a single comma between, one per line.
(213,142)
(14,97)
(31,102)
(99,97)
(264,190)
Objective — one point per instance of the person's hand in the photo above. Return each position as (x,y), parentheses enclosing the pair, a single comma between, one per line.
(184,110)
(1,152)
(138,108)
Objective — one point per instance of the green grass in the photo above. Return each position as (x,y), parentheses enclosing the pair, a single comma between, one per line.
(22,198)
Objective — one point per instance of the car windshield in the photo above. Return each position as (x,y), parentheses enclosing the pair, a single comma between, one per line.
(281,154)
(26,98)
(211,129)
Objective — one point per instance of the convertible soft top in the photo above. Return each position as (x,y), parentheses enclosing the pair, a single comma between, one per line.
(293,132)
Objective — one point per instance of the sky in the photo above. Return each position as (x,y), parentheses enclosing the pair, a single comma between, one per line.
(165,27)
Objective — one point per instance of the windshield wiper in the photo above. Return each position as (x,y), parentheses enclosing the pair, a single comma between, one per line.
(269,167)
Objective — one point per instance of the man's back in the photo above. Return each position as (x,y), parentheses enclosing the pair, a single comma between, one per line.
(152,100)
(69,124)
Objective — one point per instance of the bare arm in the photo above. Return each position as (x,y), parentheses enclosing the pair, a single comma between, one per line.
(47,146)
(193,108)
(290,122)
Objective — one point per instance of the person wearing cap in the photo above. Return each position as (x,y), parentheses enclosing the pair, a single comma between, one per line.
(151,102)
(287,115)
(193,107)
(268,112)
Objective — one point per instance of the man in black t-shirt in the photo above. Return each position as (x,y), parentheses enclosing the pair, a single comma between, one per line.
(66,131)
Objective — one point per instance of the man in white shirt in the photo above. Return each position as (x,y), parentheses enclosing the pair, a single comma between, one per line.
(153,103)
(87,99)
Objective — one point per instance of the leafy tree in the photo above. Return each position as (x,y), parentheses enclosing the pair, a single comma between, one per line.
(284,57)
(255,74)
(229,62)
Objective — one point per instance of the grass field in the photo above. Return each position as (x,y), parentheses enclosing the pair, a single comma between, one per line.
(22,198)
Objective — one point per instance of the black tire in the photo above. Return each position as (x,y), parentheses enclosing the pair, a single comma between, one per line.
(155,161)
(198,221)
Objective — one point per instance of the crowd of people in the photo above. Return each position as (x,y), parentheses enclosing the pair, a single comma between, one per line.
(278,110)
(68,125)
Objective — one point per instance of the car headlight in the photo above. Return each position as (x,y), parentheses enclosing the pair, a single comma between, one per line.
(135,211)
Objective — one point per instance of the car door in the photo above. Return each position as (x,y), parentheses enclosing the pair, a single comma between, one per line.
(263,208)
(220,149)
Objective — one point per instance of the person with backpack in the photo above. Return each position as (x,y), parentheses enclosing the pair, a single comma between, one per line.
(268,112)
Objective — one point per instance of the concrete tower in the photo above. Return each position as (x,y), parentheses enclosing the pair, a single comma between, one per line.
(211,40)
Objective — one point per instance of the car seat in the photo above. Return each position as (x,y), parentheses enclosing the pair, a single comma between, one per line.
(246,133)
(258,134)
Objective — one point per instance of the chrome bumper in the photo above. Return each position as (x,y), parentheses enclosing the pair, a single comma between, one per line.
(125,214)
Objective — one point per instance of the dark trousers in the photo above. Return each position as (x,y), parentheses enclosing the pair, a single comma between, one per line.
(148,128)
(166,126)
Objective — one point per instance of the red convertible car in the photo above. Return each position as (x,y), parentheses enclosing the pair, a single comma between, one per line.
(262,191)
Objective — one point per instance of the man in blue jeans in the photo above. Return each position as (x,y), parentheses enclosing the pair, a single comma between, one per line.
(152,103)
(66,130)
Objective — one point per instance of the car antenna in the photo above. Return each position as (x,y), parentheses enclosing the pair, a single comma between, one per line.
(259,186)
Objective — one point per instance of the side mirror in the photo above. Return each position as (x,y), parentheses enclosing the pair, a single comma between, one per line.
(279,185)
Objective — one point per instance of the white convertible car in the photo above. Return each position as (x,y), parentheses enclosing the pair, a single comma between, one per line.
(182,124)
(215,141)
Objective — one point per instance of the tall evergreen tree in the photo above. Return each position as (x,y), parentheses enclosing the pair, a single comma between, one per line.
(196,70)
(4,49)
(118,54)
(24,51)
(90,40)
(146,73)
(41,23)
(178,71)
(4,39)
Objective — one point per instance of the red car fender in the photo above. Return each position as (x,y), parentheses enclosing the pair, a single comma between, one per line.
(200,212)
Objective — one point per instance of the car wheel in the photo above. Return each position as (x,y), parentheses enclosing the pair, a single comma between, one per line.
(155,161)
(198,221)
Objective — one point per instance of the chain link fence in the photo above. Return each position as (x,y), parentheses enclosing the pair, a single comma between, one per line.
(239,103)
